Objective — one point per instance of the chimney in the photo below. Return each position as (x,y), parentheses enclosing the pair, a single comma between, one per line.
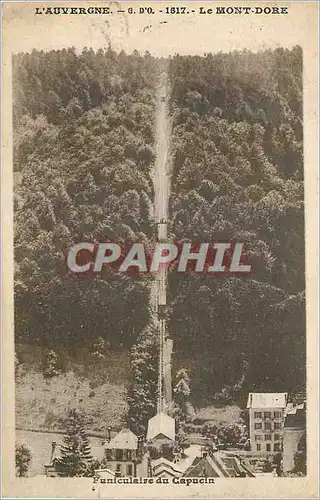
(109,434)
(140,446)
(53,449)
(150,469)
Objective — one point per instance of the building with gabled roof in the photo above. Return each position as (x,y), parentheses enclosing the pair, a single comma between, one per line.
(104,473)
(266,420)
(216,465)
(267,400)
(161,436)
(124,454)
(205,466)
(161,467)
(125,439)
(161,426)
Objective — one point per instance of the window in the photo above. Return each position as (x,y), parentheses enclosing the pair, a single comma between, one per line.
(258,414)
(257,437)
(267,437)
(119,455)
(277,447)
(258,425)
(267,426)
(277,437)
(277,414)
(268,447)
(258,447)
(267,414)
(118,470)
(277,425)
(129,470)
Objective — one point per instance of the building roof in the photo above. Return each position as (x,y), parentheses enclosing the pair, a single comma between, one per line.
(161,424)
(162,464)
(292,410)
(205,466)
(233,466)
(295,417)
(267,400)
(190,453)
(124,440)
(217,465)
(104,472)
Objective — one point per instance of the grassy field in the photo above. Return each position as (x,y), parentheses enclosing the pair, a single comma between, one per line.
(95,386)
(40,445)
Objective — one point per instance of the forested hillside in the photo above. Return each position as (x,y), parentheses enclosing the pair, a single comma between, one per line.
(83,154)
(83,151)
(83,145)
(238,176)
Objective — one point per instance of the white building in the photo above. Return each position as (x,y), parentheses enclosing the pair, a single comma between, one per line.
(266,421)
(161,427)
(124,455)
(161,436)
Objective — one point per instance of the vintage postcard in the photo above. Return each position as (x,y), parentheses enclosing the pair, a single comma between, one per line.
(160,249)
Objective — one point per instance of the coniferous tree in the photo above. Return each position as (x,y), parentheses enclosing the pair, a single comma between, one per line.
(99,347)
(51,361)
(23,457)
(76,455)
(142,395)
(182,396)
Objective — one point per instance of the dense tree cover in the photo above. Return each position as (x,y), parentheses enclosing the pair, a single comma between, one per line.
(83,152)
(237,175)
(230,434)
(83,147)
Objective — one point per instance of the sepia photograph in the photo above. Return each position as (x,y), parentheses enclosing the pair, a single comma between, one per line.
(159,306)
